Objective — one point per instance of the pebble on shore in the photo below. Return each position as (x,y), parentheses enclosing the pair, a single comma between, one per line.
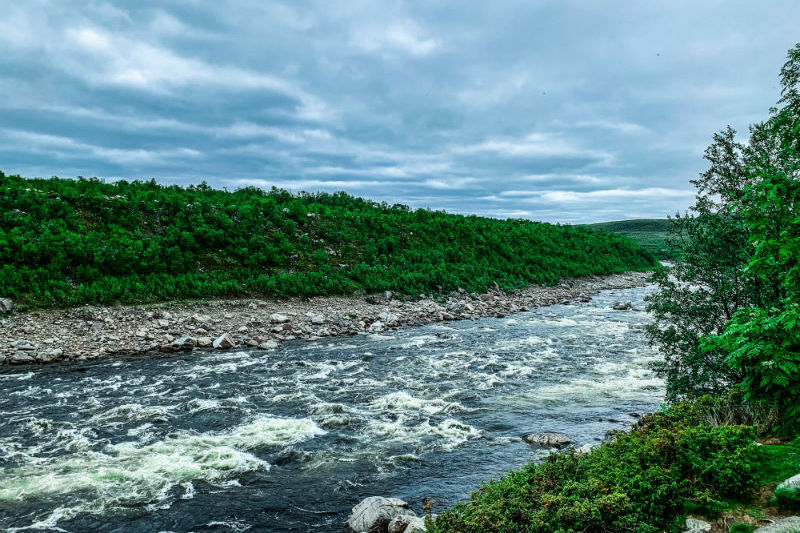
(92,331)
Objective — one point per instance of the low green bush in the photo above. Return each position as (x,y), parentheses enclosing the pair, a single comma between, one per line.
(644,481)
(788,499)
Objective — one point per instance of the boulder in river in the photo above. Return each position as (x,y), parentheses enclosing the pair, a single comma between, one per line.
(550,440)
(223,342)
(374,514)
(622,306)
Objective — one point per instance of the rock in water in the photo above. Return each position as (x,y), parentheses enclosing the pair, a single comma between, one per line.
(374,514)
(223,342)
(551,440)
(622,306)
(784,525)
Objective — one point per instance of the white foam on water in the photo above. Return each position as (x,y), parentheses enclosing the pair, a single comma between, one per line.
(129,473)
(19,377)
(447,434)
(404,401)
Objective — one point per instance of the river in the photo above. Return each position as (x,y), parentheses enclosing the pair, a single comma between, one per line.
(290,439)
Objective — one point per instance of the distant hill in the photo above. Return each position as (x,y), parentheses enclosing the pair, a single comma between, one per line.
(651,233)
(67,242)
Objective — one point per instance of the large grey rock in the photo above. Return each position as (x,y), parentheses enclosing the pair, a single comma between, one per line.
(268,345)
(204,342)
(550,440)
(23,344)
(387,317)
(49,355)
(184,343)
(792,484)
(693,525)
(374,514)
(622,306)
(6,306)
(20,358)
(586,448)
(415,525)
(200,319)
(278,318)
(315,318)
(223,342)
(784,525)
(376,327)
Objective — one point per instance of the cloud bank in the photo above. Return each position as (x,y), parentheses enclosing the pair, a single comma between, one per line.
(558,111)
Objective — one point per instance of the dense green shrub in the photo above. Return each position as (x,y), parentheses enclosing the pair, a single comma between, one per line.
(68,242)
(643,481)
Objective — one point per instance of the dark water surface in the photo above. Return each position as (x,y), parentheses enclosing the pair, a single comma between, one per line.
(291,439)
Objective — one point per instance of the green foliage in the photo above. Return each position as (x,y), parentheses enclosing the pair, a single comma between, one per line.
(651,233)
(788,499)
(729,312)
(741,528)
(762,340)
(666,467)
(707,284)
(68,242)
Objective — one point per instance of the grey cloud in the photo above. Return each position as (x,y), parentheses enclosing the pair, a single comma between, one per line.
(559,111)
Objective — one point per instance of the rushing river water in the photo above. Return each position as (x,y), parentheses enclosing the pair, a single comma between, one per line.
(291,439)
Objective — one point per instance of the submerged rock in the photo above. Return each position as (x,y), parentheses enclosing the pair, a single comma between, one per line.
(374,514)
(551,440)
(622,306)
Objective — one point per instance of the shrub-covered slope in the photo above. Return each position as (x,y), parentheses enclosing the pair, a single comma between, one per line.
(67,242)
(651,233)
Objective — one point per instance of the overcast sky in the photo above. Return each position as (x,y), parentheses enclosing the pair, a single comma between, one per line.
(551,110)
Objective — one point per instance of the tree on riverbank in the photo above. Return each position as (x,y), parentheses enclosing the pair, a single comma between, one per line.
(727,316)
(727,313)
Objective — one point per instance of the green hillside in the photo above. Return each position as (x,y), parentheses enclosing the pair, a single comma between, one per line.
(651,233)
(68,242)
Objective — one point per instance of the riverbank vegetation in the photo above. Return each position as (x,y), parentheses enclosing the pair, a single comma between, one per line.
(651,233)
(68,242)
(726,318)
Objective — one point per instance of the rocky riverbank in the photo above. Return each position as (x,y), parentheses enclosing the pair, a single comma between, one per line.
(93,331)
